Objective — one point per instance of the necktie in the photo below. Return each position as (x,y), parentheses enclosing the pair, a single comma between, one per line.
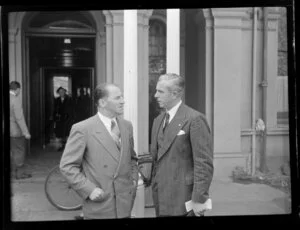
(115,133)
(167,117)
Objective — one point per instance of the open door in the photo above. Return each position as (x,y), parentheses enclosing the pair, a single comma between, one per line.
(73,80)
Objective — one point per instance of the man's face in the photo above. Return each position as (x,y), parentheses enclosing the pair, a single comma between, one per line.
(17,91)
(114,102)
(61,92)
(163,95)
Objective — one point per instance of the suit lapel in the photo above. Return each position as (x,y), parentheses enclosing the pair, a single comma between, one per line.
(171,131)
(156,126)
(104,137)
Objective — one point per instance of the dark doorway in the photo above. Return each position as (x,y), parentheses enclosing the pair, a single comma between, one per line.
(53,62)
(78,82)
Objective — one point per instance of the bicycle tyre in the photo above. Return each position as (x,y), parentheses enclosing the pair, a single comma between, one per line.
(50,197)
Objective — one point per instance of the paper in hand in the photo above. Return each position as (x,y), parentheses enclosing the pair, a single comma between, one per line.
(207,204)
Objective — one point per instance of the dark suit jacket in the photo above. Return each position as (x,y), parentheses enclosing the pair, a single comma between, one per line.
(91,159)
(64,116)
(183,167)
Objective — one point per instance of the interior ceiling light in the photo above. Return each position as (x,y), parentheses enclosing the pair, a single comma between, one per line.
(67,41)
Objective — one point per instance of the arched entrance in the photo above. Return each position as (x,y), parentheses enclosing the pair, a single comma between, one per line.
(59,50)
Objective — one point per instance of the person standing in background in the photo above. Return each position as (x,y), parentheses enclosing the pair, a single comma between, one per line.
(18,133)
(82,105)
(63,115)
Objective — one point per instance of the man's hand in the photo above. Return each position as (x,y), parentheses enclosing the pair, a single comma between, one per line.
(27,136)
(97,194)
(199,208)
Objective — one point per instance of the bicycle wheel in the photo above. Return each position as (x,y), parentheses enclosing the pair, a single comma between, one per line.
(59,193)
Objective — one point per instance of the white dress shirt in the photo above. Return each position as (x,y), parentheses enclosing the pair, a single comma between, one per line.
(173,111)
(107,121)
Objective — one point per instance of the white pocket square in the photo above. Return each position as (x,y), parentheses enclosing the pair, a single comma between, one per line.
(181,132)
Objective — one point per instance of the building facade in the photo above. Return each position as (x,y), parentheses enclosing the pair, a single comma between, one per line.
(229,58)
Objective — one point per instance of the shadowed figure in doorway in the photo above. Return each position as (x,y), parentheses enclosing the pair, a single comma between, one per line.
(63,115)
(82,109)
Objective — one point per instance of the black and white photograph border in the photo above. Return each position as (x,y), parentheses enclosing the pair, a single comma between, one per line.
(237,70)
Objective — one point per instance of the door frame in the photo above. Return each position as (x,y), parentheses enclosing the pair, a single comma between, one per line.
(26,63)
(42,96)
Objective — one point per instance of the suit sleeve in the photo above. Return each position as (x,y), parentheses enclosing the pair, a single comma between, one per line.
(201,141)
(71,163)
(153,140)
(19,115)
(134,166)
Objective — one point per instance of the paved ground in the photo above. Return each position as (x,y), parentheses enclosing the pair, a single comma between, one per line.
(29,202)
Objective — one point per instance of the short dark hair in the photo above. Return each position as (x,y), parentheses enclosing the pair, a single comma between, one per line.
(100,92)
(14,85)
(60,89)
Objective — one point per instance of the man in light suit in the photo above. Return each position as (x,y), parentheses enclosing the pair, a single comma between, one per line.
(181,146)
(99,160)
(18,133)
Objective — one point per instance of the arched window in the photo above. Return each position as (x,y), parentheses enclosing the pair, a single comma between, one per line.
(282,43)
(157,47)
(282,71)
(157,63)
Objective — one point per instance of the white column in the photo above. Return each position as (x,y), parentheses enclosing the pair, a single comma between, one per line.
(173,41)
(114,46)
(130,71)
(143,79)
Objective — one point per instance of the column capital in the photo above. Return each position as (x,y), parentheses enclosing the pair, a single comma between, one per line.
(143,17)
(114,17)
(204,18)
(101,34)
(13,32)
(229,13)
(224,18)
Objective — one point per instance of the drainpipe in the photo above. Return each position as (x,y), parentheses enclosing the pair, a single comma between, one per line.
(264,85)
(253,89)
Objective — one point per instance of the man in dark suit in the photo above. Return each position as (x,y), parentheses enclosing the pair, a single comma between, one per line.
(63,115)
(99,160)
(182,150)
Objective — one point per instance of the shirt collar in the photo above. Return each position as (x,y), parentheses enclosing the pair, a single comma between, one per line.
(106,120)
(173,111)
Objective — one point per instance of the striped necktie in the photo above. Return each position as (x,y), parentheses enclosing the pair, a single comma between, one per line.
(167,118)
(115,133)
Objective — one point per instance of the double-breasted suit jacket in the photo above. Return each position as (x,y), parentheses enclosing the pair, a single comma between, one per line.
(91,159)
(183,161)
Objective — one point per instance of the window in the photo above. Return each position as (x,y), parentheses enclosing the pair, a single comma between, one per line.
(157,63)
(282,43)
(282,81)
